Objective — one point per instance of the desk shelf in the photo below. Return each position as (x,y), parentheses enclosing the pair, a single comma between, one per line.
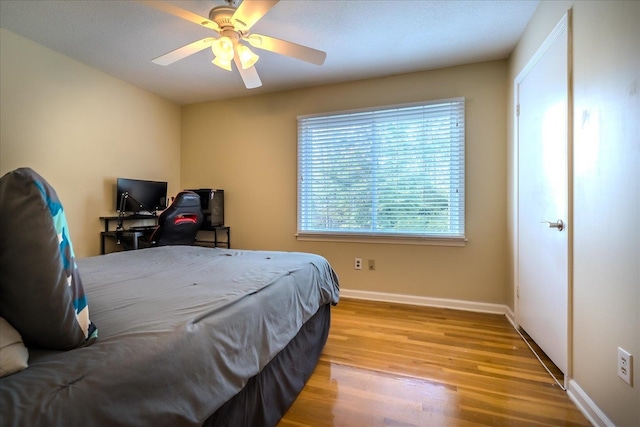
(216,242)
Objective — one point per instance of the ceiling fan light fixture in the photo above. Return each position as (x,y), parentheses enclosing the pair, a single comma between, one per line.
(232,24)
(225,64)
(223,48)
(247,57)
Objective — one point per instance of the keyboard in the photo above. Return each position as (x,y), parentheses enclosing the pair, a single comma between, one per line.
(142,228)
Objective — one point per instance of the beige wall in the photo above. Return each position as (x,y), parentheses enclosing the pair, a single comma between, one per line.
(606,196)
(80,129)
(247,146)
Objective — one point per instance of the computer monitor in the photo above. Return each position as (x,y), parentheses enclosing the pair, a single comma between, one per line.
(139,196)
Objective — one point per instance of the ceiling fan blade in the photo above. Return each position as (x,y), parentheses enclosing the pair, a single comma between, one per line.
(180,13)
(249,76)
(283,47)
(183,52)
(250,11)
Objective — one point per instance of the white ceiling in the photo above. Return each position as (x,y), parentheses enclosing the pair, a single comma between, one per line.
(362,38)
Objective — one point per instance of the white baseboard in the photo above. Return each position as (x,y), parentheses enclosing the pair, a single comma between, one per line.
(430,302)
(587,406)
(511,317)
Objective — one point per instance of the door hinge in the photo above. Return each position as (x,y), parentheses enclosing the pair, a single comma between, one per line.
(518,110)
(518,291)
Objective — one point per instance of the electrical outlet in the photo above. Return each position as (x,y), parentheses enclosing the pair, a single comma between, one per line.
(625,366)
(357,264)
(372,264)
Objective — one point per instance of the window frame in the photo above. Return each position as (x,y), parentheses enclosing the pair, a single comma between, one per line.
(441,239)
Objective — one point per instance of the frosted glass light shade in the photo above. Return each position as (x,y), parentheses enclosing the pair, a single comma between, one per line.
(247,57)
(223,48)
(222,63)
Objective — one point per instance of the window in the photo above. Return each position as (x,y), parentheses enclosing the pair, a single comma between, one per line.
(390,173)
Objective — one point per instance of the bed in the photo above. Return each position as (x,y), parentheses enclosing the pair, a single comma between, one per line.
(164,336)
(188,336)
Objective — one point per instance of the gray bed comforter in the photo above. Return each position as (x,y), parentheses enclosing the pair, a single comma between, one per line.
(181,330)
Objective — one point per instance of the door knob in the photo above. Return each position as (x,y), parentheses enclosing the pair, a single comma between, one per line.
(558,224)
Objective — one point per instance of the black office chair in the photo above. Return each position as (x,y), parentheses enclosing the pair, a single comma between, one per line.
(180,222)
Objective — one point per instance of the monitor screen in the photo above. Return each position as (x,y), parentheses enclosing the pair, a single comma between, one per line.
(141,196)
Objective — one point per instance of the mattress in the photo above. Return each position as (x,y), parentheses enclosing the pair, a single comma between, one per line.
(182,330)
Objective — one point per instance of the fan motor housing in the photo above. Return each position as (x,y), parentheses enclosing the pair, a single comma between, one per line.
(222,15)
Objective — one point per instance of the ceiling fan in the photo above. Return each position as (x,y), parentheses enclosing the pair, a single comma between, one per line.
(232,27)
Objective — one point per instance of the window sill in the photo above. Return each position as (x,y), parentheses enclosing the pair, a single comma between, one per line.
(390,240)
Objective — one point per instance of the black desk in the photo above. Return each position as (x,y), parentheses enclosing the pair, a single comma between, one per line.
(126,218)
(215,243)
(129,238)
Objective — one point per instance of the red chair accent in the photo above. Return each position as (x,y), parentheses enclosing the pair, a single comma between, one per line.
(186,219)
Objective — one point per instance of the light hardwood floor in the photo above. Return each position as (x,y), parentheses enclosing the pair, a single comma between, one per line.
(399,365)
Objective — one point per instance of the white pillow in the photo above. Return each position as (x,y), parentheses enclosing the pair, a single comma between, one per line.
(13,354)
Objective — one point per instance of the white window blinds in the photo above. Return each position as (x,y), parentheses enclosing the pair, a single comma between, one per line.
(396,171)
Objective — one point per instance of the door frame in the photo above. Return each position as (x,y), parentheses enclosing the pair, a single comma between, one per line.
(565,23)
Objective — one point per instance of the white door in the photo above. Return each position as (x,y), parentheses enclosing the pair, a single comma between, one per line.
(542,222)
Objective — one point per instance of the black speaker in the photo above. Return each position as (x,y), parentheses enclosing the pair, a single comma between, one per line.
(212,205)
